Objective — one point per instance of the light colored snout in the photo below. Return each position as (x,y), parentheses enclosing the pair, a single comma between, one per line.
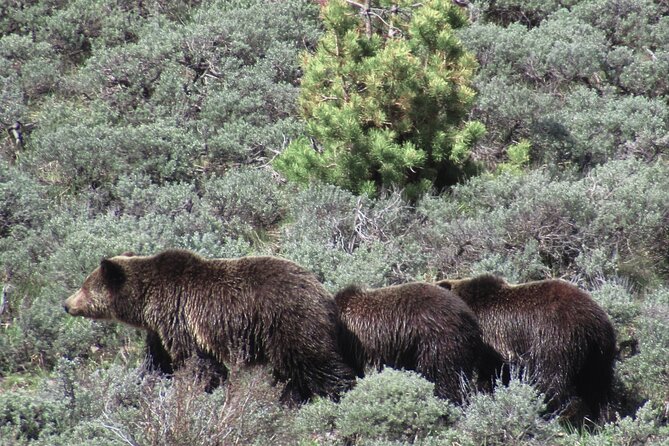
(73,305)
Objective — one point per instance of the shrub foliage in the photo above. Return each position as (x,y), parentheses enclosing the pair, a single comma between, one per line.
(151,125)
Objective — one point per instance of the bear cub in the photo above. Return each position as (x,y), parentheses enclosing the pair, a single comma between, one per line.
(551,329)
(415,326)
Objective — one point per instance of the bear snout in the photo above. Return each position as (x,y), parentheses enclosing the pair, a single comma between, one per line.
(69,308)
(73,304)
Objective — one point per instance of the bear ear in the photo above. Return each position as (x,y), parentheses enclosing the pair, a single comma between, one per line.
(128,254)
(445,284)
(112,274)
(343,296)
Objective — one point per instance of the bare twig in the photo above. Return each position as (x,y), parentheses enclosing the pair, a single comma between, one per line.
(119,433)
(4,297)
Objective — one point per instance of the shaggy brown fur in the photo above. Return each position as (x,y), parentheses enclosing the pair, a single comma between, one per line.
(551,329)
(414,326)
(259,309)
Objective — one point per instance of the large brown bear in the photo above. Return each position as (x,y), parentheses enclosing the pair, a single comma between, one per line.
(259,309)
(551,329)
(415,326)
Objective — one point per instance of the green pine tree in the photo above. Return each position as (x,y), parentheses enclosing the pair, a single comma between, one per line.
(385,97)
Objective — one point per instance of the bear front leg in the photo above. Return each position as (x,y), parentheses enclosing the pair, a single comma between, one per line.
(207,370)
(157,358)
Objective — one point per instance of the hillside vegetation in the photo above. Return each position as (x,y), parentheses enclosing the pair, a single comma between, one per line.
(159,124)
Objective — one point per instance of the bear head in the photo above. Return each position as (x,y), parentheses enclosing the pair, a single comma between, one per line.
(348,297)
(103,294)
(476,288)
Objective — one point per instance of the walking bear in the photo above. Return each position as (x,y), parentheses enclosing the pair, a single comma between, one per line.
(553,330)
(260,309)
(415,326)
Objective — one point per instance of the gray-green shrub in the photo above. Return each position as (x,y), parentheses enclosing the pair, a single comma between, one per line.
(510,416)
(387,406)
(647,373)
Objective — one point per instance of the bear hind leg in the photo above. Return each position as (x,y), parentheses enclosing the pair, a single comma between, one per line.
(594,385)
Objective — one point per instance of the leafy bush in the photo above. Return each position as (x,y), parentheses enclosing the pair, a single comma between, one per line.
(575,82)
(150,125)
(27,415)
(114,406)
(390,405)
(249,203)
(174,100)
(647,428)
(647,373)
(528,13)
(620,303)
(23,202)
(613,128)
(510,416)
(535,225)
(161,412)
(316,422)
(74,29)
(393,405)
(76,148)
(40,333)
(138,216)
(356,240)
(30,67)
(246,74)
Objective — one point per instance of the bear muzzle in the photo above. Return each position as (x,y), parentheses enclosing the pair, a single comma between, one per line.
(69,309)
(72,304)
